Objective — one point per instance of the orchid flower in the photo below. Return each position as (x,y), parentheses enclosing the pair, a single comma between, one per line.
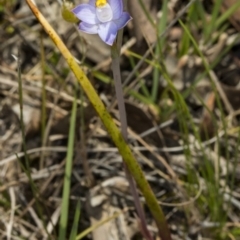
(102,17)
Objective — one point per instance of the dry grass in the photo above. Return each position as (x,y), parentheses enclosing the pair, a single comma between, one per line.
(191,161)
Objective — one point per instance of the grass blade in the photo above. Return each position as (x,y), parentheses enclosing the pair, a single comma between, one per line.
(68,173)
(73,234)
(162,24)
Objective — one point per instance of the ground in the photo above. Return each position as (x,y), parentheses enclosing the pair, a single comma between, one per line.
(180,68)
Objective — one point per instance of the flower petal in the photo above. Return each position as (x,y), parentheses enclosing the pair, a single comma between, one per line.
(88,28)
(92,3)
(86,13)
(123,20)
(108,32)
(117,8)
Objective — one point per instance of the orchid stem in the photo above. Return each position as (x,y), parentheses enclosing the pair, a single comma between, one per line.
(115,50)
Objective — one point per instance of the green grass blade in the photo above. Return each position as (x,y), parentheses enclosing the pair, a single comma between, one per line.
(102,77)
(202,16)
(211,26)
(97,225)
(158,52)
(73,234)
(68,173)
(227,14)
(27,168)
(142,83)
(147,14)
(214,198)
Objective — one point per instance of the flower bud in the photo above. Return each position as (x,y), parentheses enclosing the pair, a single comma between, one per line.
(67,14)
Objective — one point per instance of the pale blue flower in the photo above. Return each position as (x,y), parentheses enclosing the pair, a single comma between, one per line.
(102,17)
